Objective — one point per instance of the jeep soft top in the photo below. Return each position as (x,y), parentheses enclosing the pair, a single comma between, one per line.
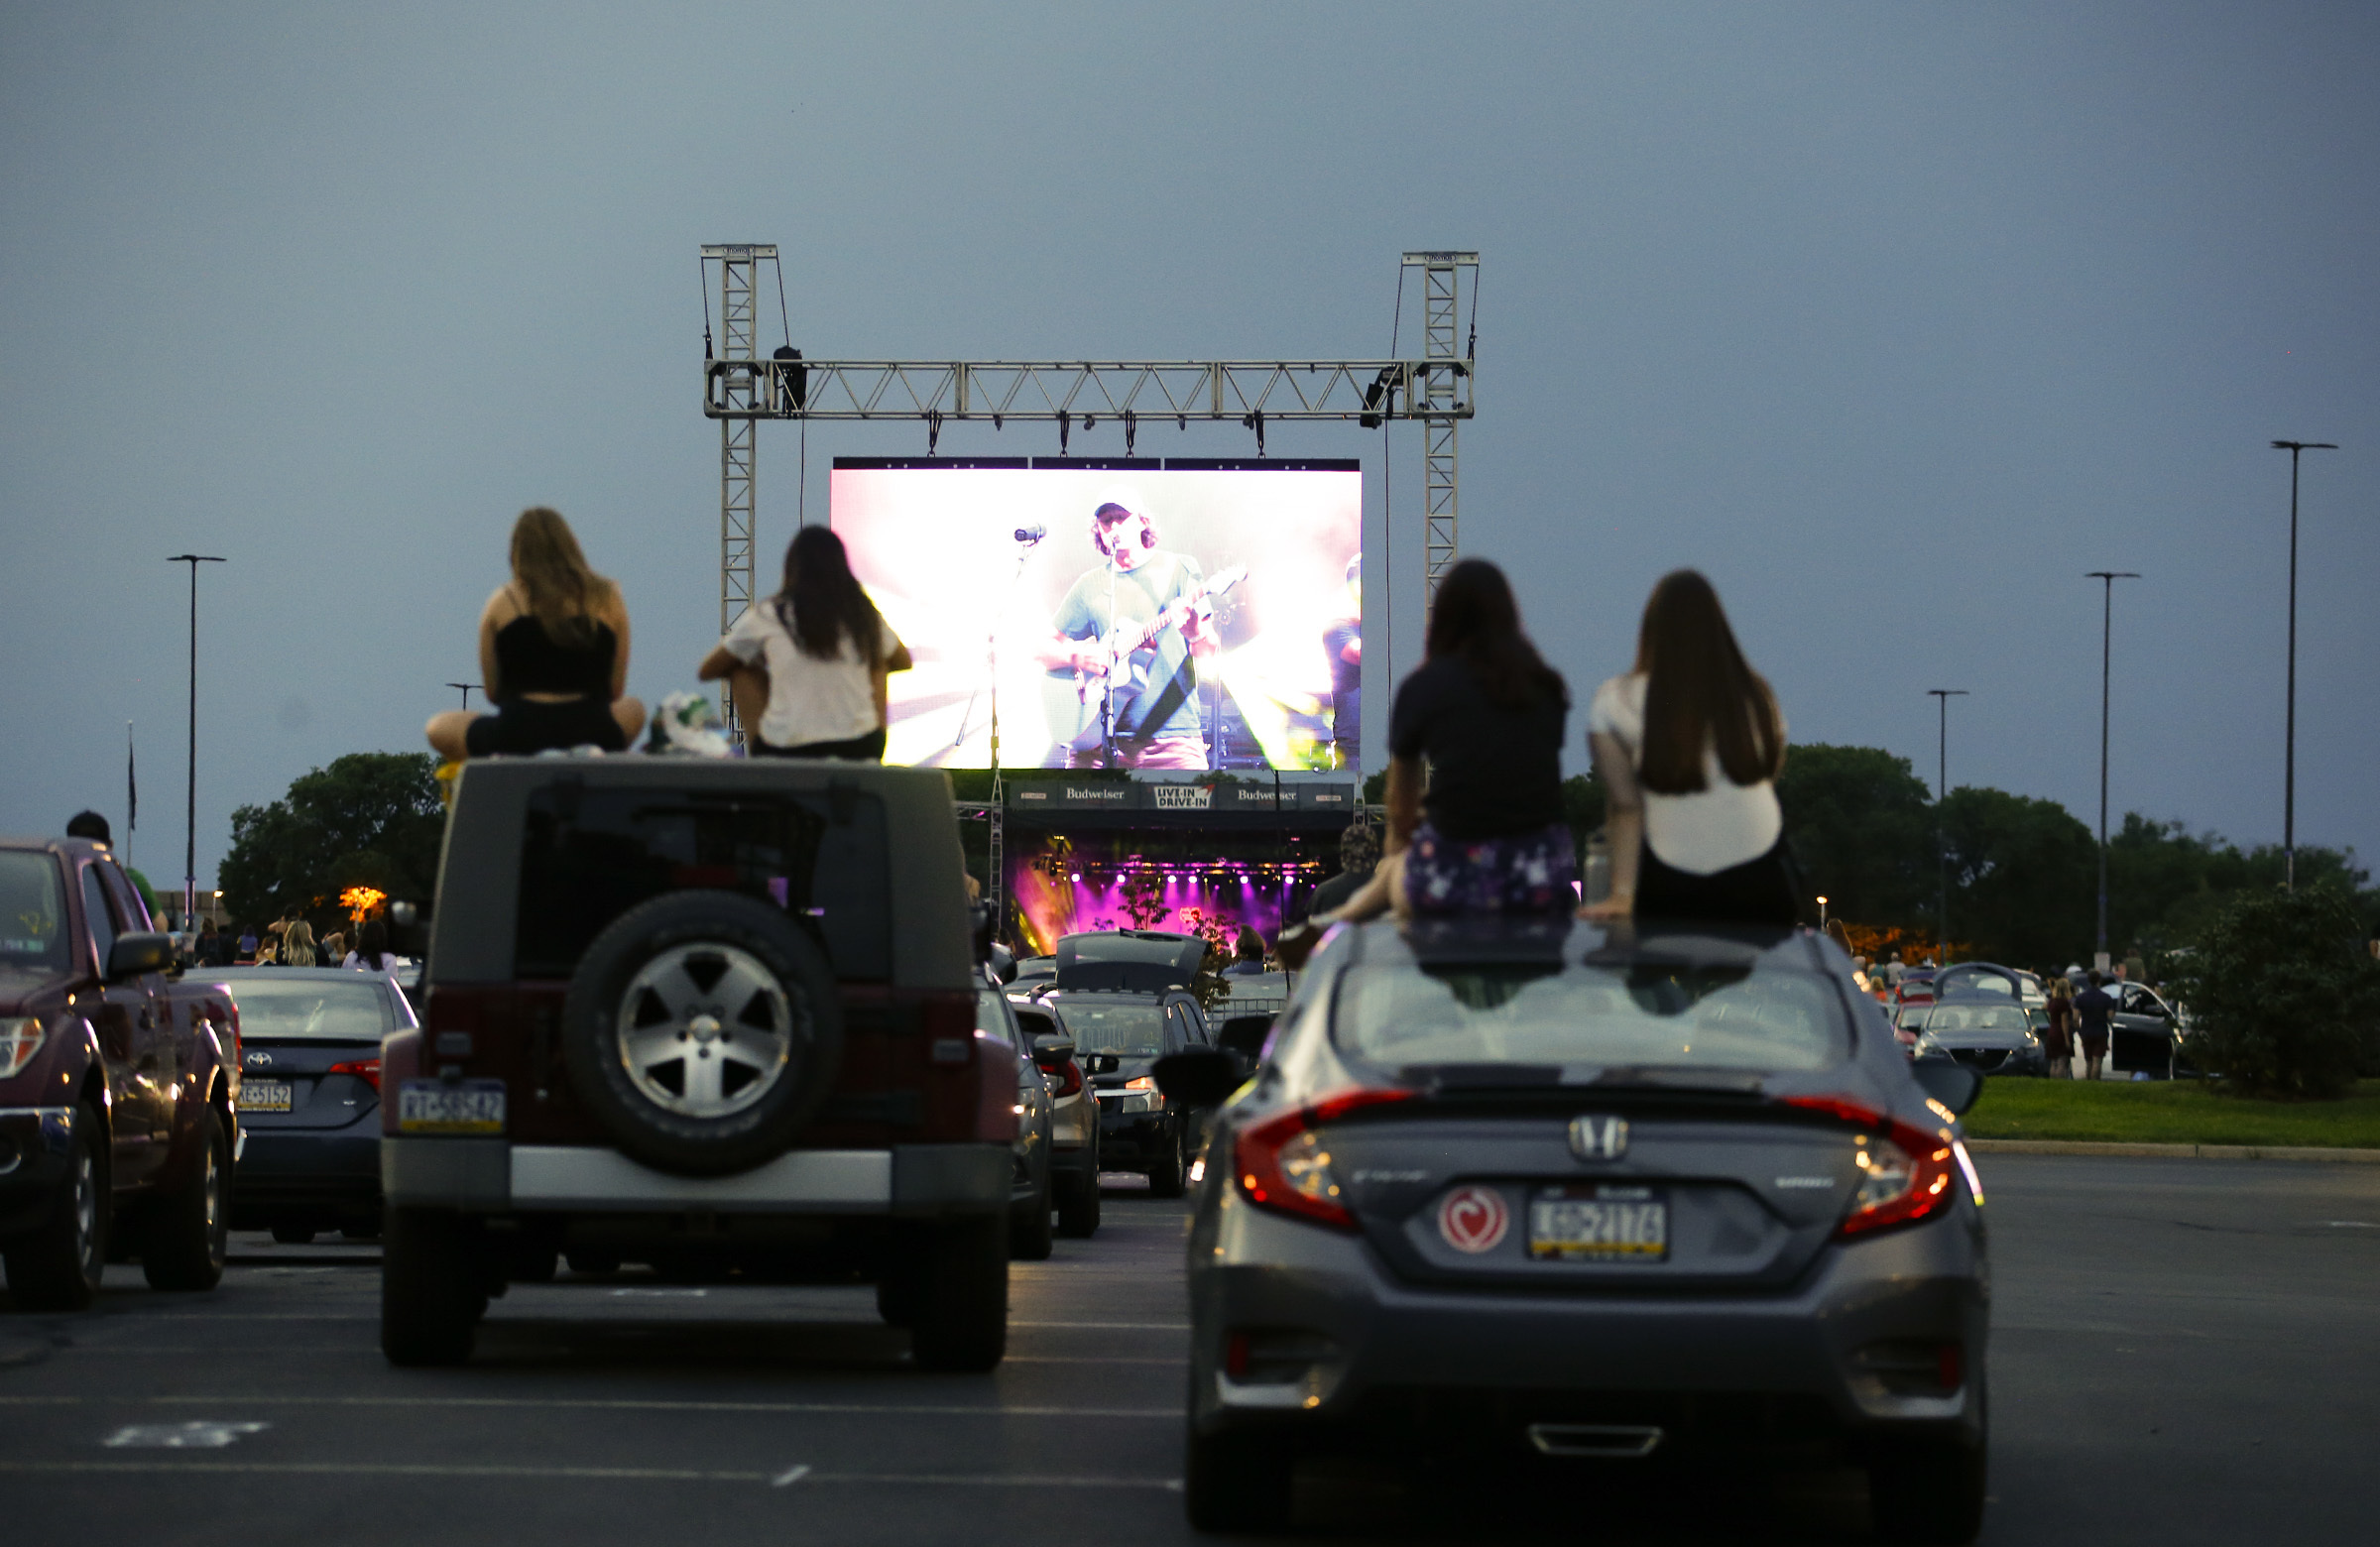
(708,1012)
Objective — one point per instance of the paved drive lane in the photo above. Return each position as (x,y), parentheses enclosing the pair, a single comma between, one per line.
(2184,1352)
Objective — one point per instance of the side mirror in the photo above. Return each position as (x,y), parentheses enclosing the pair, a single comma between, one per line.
(1198,1077)
(1246,1035)
(1053,1047)
(1949,1080)
(1002,963)
(134,954)
(1103,1063)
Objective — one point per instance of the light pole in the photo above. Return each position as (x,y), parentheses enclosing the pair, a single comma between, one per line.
(1822,915)
(190,846)
(1942,846)
(2107,579)
(466,687)
(2289,755)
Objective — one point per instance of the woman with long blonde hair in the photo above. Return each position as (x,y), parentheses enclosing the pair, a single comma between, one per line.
(296,945)
(552,654)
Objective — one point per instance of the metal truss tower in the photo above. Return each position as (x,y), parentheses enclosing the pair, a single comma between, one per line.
(1443,391)
(739,467)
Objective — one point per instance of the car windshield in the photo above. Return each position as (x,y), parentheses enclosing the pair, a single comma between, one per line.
(1761,1017)
(1977,1018)
(33,914)
(1956,981)
(327,1009)
(1131,1031)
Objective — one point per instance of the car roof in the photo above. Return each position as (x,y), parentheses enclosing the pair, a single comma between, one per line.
(290,975)
(1484,941)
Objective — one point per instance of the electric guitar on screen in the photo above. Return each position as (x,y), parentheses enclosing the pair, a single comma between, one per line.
(1112,671)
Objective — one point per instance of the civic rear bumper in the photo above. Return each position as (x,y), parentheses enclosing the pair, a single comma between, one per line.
(310,1173)
(1339,1342)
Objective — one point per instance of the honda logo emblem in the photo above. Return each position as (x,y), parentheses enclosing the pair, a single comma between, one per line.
(258,1060)
(1599,1138)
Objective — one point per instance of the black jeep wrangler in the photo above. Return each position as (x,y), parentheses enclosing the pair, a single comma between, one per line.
(712,1016)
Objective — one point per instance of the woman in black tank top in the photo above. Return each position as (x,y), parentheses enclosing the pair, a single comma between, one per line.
(553,654)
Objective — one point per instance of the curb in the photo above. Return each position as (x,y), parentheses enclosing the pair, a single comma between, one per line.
(2054,1147)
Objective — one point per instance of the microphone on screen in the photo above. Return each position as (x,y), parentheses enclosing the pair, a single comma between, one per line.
(1028,535)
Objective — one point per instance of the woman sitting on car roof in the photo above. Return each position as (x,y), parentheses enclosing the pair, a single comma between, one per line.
(807,665)
(1489,714)
(553,654)
(1689,745)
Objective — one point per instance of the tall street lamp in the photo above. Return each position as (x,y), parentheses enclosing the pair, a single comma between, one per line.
(190,846)
(2107,579)
(466,687)
(1942,846)
(2289,755)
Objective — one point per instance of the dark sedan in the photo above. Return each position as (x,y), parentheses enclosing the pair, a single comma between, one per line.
(1541,1196)
(1988,1036)
(310,1097)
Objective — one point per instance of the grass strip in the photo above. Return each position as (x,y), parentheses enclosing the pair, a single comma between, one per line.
(2180,1111)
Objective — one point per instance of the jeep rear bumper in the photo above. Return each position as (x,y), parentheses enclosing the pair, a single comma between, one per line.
(497,1176)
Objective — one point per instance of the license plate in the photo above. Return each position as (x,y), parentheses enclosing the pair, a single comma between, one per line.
(434,1107)
(1599,1222)
(264,1095)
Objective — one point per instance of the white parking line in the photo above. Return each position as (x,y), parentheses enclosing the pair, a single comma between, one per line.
(352,1468)
(597,1404)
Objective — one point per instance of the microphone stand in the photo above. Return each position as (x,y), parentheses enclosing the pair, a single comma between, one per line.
(1025,551)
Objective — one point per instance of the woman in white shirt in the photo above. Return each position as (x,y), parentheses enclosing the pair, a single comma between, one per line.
(807,665)
(1689,745)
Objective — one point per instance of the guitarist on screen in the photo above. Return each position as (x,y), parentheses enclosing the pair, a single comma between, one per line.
(1130,631)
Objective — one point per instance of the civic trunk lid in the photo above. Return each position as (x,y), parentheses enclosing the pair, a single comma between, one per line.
(288,1084)
(1596,1193)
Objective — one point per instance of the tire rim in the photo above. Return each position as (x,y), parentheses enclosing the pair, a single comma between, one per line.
(705,1030)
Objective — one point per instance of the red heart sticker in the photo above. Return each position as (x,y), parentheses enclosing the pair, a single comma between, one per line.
(1474,1219)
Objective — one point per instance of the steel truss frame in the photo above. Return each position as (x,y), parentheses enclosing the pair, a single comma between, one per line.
(739,388)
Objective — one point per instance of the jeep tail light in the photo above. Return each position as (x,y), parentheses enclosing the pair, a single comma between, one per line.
(1284,1162)
(365,1069)
(1905,1173)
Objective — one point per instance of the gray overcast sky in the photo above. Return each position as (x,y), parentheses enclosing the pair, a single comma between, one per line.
(1895,319)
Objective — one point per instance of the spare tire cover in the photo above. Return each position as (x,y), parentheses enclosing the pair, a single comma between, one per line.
(703,1032)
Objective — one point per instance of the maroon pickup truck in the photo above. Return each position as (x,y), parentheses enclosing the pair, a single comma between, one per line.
(117,1084)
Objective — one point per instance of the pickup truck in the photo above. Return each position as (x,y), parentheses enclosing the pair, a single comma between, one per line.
(118,1080)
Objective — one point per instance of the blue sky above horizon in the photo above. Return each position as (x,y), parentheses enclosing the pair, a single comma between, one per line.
(1894,321)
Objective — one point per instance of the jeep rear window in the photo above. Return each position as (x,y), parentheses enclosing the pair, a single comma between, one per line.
(587,856)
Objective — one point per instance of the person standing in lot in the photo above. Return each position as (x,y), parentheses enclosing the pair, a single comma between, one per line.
(553,654)
(2059,1044)
(807,666)
(1689,744)
(297,945)
(1359,856)
(2094,1006)
(371,953)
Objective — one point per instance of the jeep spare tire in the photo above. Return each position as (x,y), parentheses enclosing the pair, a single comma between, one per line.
(703,1032)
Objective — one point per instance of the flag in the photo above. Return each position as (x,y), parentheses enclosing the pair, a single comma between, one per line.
(131,786)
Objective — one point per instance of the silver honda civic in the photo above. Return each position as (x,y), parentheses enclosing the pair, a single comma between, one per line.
(1591,1201)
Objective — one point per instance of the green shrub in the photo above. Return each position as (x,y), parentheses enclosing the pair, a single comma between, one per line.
(2282,996)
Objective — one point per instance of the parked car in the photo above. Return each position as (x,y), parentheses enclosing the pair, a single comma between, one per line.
(1987,1034)
(310,1097)
(2145,1033)
(1528,1194)
(119,1082)
(1915,988)
(708,1014)
(1123,998)
(1073,1121)
(1029,1195)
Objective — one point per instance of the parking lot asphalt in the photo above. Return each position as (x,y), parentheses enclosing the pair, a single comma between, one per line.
(2184,1352)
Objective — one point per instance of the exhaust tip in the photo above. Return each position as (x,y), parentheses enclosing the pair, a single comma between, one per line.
(1610,1440)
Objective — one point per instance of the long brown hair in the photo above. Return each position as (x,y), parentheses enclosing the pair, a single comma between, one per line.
(821,602)
(1474,620)
(1700,691)
(563,592)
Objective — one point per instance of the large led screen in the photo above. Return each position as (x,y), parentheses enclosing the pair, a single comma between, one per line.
(1143,617)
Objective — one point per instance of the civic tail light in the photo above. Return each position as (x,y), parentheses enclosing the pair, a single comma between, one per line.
(1284,1162)
(1905,1173)
(1069,1076)
(365,1069)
